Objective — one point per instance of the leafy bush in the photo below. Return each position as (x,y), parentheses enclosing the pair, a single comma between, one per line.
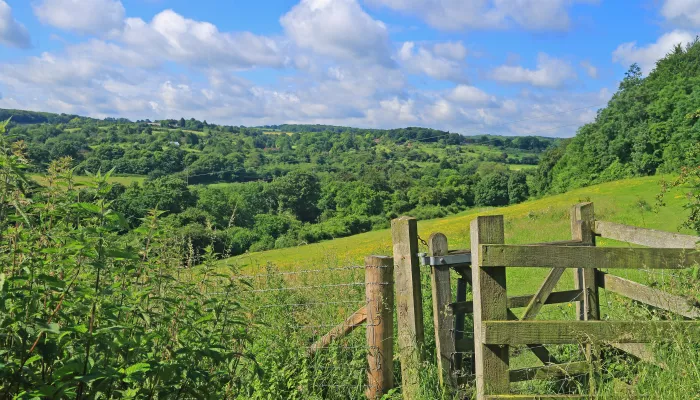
(84,315)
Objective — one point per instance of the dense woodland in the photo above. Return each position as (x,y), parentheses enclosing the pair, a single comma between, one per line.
(249,189)
(649,126)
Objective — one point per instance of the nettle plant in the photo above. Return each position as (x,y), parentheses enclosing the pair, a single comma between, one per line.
(86,313)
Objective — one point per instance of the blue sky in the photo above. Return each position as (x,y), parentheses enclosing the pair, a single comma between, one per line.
(514,67)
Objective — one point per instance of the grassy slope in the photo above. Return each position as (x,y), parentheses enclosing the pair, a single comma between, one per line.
(124,180)
(540,220)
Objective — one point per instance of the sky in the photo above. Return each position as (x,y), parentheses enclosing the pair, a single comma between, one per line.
(512,67)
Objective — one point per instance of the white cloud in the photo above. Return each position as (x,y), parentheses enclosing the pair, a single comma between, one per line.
(646,56)
(393,111)
(338,28)
(344,74)
(470,95)
(174,37)
(440,62)
(83,16)
(550,73)
(49,69)
(533,15)
(107,52)
(682,12)
(591,70)
(12,33)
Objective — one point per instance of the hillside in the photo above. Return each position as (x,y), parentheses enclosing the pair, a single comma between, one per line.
(627,201)
(239,188)
(650,125)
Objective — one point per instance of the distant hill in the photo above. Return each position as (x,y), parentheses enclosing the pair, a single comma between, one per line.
(650,125)
(35,117)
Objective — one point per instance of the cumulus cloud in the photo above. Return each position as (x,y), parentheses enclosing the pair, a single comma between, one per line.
(533,15)
(12,33)
(50,69)
(345,74)
(550,73)
(339,29)
(82,16)
(466,94)
(682,12)
(442,61)
(646,56)
(173,37)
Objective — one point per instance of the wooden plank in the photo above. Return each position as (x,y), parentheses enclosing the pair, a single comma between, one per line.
(562,332)
(552,371)
(442,315)
(565,296)
(490,303)
(687,307)
(539,299)
(534,307)
(379,290)
(571,243)
(409,304)
(343,329)
(492,255)
(644,236)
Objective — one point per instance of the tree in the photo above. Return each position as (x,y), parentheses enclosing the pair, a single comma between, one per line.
(298,193)
(492,190)
(182,123)
(517,187)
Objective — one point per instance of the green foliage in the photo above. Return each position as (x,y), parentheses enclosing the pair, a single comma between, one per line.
(517,187)
(689,181)
(492,190)
(86,313)
(646,128)
(298,193)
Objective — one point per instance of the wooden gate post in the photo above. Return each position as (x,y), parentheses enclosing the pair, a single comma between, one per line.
(409,305)
(582,222)
(379,289)
(490,304)
(442,314)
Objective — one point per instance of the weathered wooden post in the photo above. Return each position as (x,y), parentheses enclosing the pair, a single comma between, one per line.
(379,289)
(442,314)
(582,223)
(409,305)
(490,304)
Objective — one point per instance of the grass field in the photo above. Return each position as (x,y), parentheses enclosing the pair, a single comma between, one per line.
(627,201)
(124,180)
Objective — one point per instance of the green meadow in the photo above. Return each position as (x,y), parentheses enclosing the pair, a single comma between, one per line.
(631,201)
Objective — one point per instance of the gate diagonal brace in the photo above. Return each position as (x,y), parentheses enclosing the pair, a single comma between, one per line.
(449,260)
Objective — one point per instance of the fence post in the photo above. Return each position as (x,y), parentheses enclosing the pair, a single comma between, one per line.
(582,220)
(442,314)
(490,304)
(409,305)
(379,289)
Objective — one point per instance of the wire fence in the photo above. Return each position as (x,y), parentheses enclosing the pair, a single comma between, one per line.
(315,320)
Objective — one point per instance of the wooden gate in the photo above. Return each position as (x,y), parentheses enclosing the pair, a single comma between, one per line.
(479,357)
